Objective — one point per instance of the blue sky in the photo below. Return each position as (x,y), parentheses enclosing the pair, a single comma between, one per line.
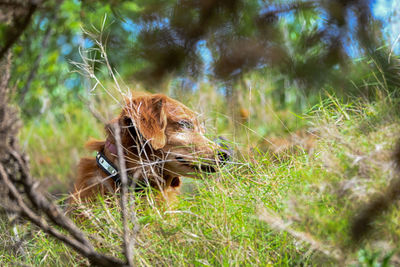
(388,11)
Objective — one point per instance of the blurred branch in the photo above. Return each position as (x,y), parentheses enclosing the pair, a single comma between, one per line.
(362,223)
(20,24)
(11,4)
(274,11)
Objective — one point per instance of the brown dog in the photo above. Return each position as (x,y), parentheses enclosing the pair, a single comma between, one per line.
(161,141)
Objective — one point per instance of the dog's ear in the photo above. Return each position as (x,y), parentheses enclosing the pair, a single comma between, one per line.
(94,144)
(148,116)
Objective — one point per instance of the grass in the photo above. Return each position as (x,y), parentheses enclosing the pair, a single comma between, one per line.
(55,142)
(291,208)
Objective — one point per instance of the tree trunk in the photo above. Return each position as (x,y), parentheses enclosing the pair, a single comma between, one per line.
(9,127)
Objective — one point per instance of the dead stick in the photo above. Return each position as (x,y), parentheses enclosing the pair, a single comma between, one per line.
(87,251)
(37,199)
(124,191)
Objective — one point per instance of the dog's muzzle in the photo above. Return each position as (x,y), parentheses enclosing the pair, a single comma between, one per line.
(222,155)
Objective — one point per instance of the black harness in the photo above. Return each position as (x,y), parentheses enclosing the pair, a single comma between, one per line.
(108,167)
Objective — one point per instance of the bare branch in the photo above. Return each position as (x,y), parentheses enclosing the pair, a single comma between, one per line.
(124,191)
(39,201)
(86,250)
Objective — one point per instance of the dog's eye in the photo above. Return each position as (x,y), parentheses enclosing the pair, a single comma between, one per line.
(127,121)
(185,124)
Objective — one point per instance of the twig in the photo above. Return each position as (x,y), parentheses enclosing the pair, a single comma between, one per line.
(96,114)
(86,250)
(78,241)
(124,191)
(39,201)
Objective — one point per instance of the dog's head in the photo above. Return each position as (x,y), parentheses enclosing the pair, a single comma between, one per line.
(156,125)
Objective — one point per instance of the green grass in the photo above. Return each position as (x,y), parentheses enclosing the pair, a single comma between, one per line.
(220,220)
(55,143)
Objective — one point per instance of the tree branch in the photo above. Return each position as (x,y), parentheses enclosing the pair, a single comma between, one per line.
(20,25)
(78,241)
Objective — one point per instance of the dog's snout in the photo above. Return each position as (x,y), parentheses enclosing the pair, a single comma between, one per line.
(225,152)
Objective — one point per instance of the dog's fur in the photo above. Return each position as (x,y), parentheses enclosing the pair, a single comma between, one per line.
(161,139)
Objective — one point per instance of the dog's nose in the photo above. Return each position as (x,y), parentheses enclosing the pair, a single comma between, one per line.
(225,152)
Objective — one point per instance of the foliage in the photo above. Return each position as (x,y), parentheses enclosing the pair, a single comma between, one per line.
(305,45)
